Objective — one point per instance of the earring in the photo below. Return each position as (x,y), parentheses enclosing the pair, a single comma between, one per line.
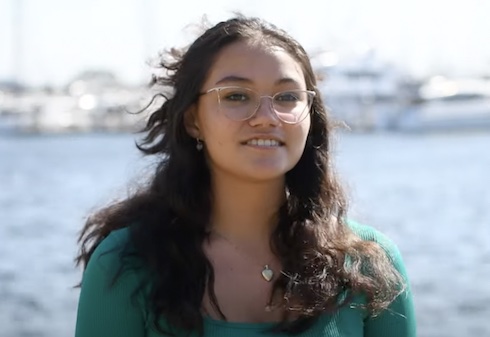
(199,144)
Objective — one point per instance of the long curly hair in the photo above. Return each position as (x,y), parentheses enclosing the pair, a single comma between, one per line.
(168,218)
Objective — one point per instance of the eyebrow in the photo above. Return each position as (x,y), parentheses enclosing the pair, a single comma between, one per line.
(233,78)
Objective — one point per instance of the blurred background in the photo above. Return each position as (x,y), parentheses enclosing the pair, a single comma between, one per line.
(410,79)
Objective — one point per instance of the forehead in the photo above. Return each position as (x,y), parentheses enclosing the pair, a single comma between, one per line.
(260,64)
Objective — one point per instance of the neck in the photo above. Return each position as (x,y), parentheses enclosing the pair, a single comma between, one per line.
(246,211)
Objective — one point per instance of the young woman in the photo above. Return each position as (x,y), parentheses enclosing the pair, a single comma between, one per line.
(242,230)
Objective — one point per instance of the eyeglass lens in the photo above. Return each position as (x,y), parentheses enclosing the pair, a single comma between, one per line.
(242,103)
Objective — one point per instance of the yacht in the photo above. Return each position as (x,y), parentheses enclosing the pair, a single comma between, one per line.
(449,105)
(362,91)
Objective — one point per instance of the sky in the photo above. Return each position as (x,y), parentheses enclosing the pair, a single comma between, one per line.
(49,42)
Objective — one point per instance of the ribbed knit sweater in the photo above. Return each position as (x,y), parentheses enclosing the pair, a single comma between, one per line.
(106,310)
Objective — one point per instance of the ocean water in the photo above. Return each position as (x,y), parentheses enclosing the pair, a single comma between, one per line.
(429,193)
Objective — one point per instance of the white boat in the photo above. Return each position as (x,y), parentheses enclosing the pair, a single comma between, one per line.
(10,117)
(8,122)
(455,106)
(87,105)
(362,91)
(458,112)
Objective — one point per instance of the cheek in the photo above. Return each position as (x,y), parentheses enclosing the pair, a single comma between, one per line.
(300,140)
(303,131)
(219,133)
(209,122)
(220,147)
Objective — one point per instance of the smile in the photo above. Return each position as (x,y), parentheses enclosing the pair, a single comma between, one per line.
(264,142)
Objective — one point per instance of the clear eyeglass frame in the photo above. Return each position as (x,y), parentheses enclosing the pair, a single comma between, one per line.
(252,111)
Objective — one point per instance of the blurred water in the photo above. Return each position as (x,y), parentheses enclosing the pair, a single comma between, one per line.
(430,194)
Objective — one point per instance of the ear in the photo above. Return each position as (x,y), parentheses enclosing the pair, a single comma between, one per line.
(191,123)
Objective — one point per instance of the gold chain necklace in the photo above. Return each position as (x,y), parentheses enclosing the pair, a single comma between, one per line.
(266,273)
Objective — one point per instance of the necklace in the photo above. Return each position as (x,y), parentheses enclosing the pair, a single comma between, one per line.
(266,273)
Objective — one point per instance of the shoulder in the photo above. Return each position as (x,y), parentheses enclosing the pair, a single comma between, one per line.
(109,256)
(112,245)
(399,318)
(368,233)
(116,240)
(111,301)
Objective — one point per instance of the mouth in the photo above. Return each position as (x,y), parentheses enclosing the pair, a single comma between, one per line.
(264,142)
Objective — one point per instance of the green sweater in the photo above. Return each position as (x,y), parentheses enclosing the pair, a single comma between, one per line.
(108,311)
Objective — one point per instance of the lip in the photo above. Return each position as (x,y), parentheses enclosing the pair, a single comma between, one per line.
(265,136)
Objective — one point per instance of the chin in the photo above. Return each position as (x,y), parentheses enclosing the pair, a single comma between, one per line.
(266,174)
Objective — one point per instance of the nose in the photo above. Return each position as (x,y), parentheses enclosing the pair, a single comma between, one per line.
(265,113)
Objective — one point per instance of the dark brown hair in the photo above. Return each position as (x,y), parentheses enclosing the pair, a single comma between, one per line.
(168,219)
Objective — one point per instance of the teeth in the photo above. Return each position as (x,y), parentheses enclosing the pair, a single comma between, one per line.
(263,142)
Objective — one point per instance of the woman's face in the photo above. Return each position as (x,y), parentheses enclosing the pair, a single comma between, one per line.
(262,147)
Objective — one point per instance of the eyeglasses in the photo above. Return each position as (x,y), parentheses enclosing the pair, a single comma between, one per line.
(240,104)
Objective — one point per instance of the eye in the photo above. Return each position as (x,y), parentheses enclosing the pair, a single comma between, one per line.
(288,96)
(235,95)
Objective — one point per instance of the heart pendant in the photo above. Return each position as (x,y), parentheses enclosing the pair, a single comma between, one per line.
(267,273)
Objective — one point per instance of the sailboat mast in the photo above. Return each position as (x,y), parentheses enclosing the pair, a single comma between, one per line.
(17,41)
